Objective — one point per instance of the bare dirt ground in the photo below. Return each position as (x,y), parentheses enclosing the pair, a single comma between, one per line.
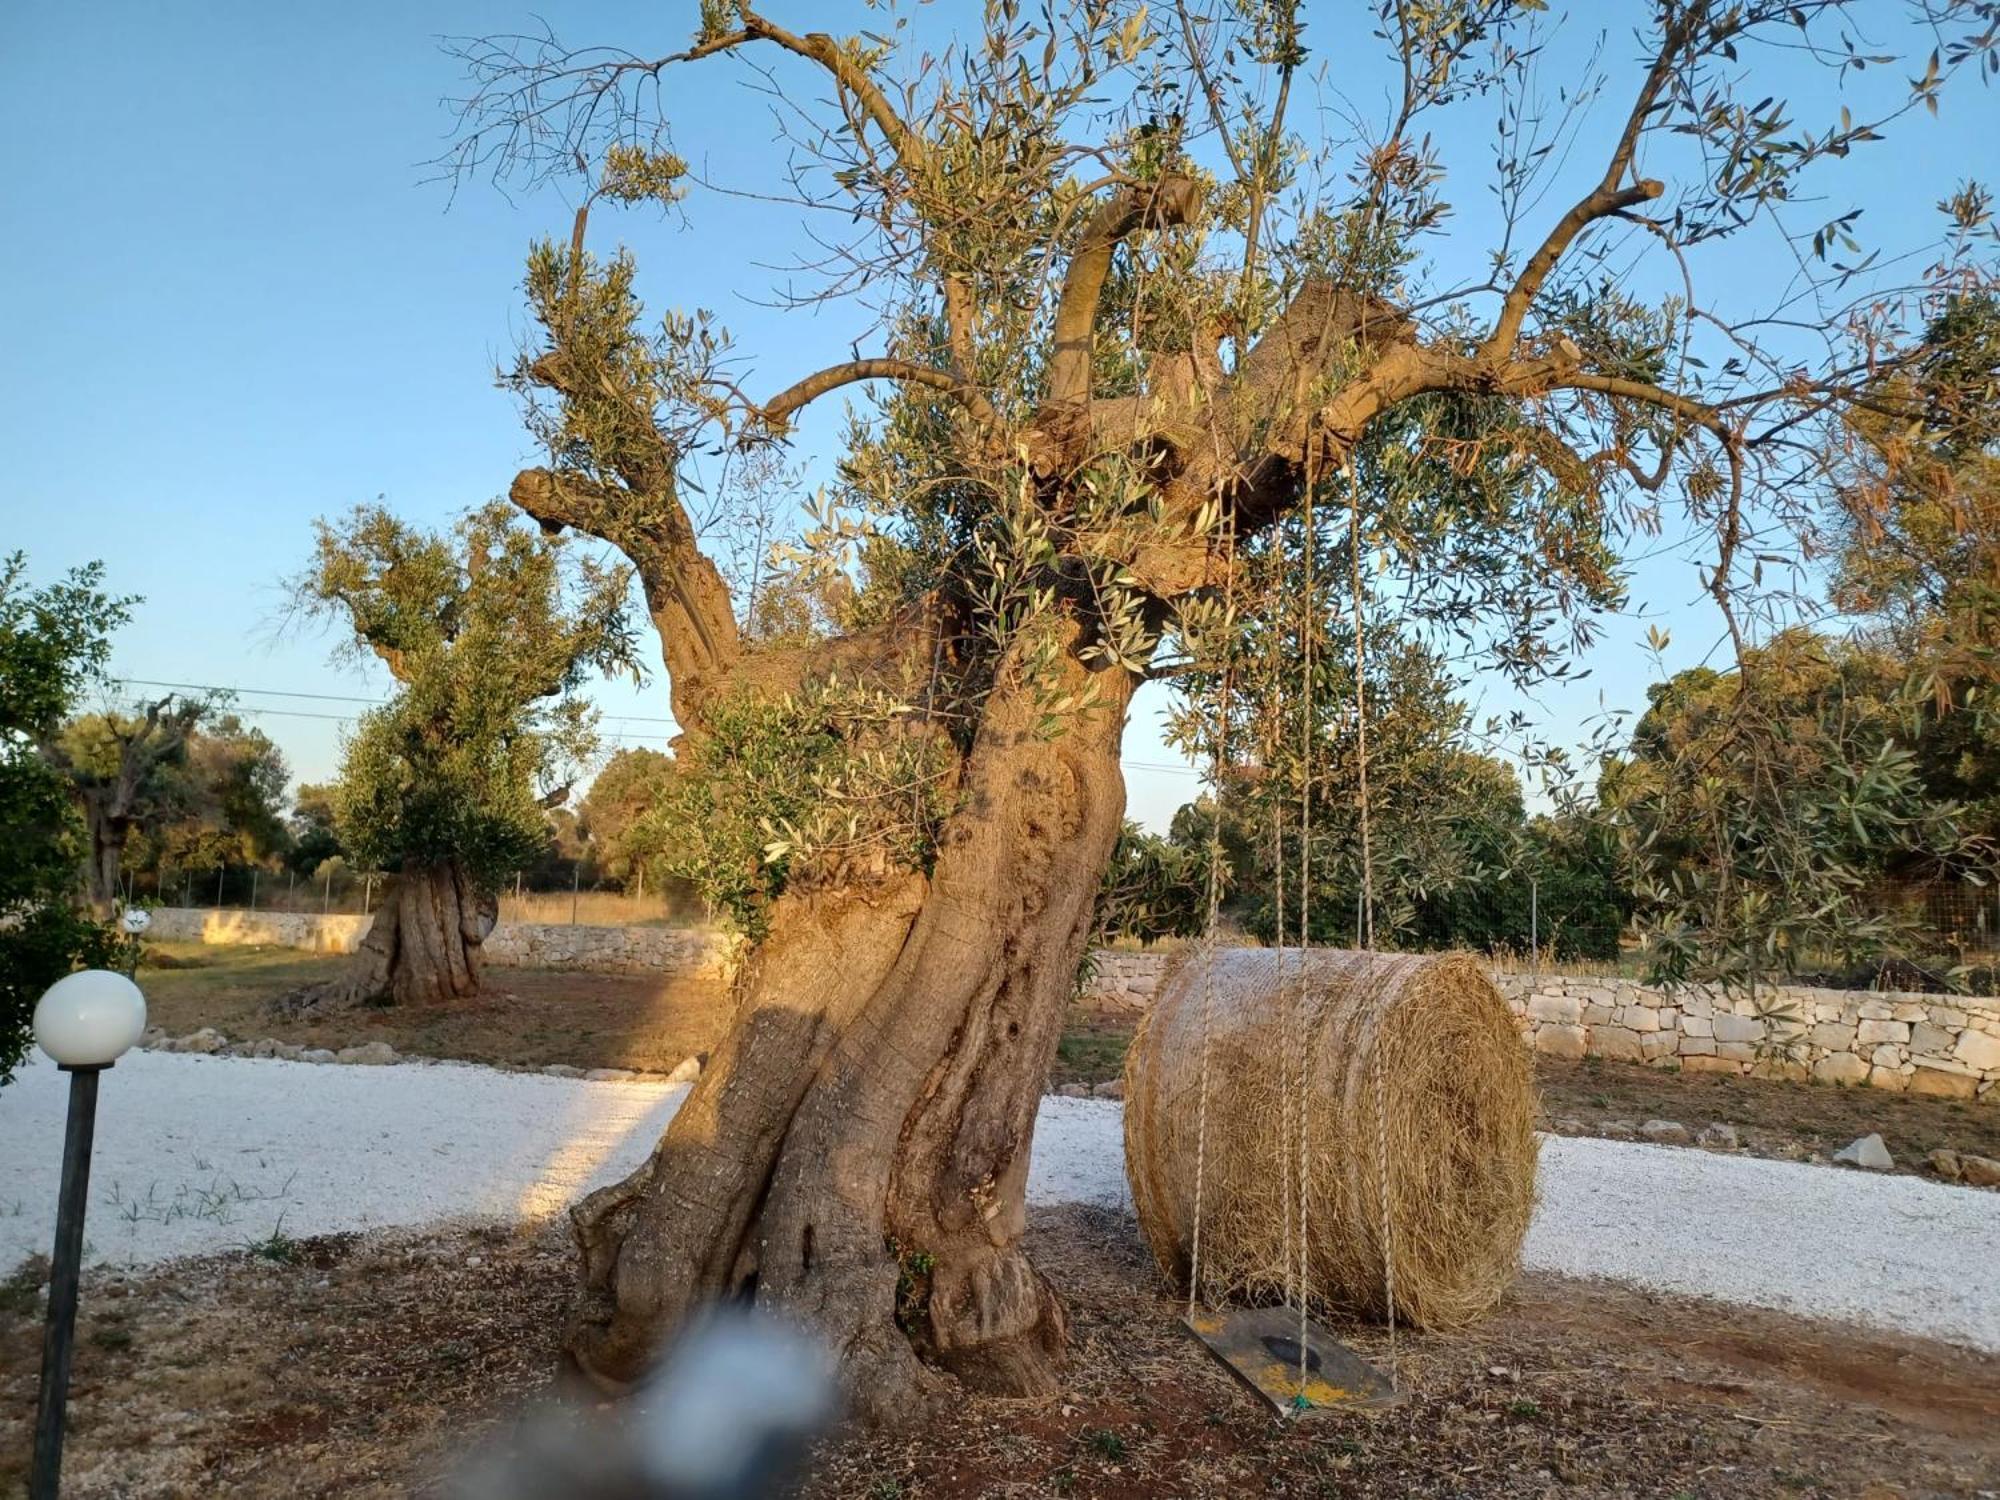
(365,1365)
(526,1018)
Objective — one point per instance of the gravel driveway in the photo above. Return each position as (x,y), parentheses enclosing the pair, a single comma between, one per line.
(202,1153)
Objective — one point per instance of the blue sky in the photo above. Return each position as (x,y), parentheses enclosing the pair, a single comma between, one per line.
(235,303)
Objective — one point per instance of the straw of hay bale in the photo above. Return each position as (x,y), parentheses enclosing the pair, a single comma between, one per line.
(1458,1124)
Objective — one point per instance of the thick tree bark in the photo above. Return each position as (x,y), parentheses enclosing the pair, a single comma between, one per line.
(101,873)
(856,1154)
(422,948)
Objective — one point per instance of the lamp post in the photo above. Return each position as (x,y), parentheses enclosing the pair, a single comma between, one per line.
(85,1022)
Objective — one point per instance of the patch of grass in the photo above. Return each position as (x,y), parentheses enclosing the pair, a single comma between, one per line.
(1090,1055)
(1524,1410)
(278,1247)
(110,1337)
(1106,1444)
(21,1292)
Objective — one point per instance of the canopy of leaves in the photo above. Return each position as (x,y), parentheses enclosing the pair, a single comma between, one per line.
(54,641)
(787,792)
(1758,809)
(632,783)
(488,633)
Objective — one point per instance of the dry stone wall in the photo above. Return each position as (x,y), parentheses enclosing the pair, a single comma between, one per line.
(1943,1045)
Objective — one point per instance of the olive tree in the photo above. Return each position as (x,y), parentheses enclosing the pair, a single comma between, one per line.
(488,633)
(1125,297)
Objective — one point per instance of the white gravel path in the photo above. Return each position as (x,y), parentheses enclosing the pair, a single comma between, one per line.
(202,1153)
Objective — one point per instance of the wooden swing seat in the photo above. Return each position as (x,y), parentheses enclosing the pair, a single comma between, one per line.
(1260,1346)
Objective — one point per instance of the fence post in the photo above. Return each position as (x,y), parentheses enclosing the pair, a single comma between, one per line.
(1534,929)
(187,888)
(517,885)
(255,871)
(219,869)
(326,895)
(575,885)
(642,882)
(291,889)
(367,892)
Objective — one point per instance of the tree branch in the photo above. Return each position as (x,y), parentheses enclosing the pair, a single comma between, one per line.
(1172,200)
(780,407)
(685,594)
(1608,197)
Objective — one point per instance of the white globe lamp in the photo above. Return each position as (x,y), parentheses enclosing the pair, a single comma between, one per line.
(86,1022)
(90,1019)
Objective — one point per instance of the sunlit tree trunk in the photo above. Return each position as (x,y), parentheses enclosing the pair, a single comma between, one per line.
(857,1152)
(422,948)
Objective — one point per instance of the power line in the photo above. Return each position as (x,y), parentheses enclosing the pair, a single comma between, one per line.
(213,687)
(643,739)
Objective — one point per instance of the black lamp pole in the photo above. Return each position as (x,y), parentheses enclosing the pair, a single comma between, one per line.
(60,1338)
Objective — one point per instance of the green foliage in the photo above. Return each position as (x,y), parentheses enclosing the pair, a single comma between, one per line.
(1758,808)
(217,799)
(1154,887)
(832,782)
(313,837)
(54,641)
(625,792)
(489,633)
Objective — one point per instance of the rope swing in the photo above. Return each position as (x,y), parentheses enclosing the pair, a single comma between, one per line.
(1299,1028)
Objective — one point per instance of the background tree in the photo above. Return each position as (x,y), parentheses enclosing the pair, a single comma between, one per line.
(313,837)
(1127,322)
(1918,533)
(1759,810)
(487,632)
(124,771)
(216,804)
(621,813)
(54,642)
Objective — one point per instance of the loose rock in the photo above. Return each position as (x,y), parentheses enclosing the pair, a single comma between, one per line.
(686,1071)
(1978,1171)
(368,1054)
(1718,1137)
(1868,1153)
(1946,1164)
(1110,1089)
(316,1055)
(1074,1091)
(1666,1133)
(610,1075)
(562,1070)
(1618,1130)
(206,1041)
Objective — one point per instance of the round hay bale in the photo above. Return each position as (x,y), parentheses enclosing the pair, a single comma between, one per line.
(1457,1121)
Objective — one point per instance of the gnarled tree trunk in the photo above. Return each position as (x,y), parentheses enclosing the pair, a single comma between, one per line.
(422,948)
(856,1154)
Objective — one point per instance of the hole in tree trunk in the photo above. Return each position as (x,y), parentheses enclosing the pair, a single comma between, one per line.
(806,1248)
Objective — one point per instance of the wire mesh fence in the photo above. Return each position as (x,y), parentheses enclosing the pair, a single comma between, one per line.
(333,889)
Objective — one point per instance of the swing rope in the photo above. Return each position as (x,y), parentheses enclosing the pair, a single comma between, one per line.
(1216,761)
(1368,908)
(1295,1165)
(1308,623)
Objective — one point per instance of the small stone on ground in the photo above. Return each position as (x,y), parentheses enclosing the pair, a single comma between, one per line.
(1868,1152)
